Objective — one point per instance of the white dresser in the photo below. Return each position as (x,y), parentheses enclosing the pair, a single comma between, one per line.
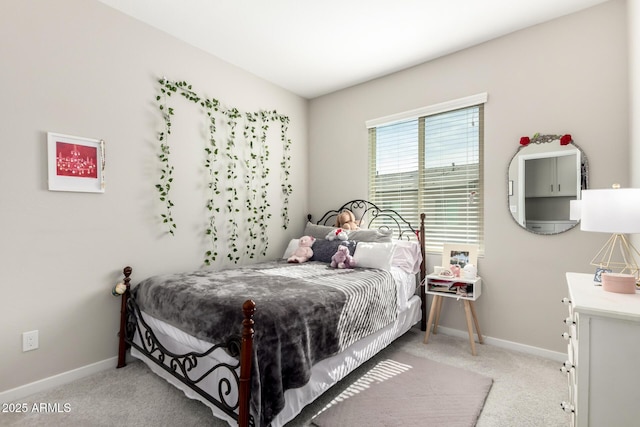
(603,365)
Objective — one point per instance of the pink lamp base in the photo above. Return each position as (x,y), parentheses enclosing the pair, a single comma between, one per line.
(619,283)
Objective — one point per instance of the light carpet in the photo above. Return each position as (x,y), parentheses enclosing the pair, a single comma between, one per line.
(401,389)
(526,392)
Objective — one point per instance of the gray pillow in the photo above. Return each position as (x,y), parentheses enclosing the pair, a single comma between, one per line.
(317,231)
(380,236)
(323,250)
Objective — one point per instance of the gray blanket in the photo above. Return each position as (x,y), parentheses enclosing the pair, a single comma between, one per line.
(304,313)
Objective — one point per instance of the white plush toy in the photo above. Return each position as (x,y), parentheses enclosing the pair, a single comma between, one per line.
(338,233)
(118,289)
(303,252)
(470,271)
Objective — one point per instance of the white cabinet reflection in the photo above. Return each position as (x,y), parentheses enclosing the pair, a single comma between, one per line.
(544,176)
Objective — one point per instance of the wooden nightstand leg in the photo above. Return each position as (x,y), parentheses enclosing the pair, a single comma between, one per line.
(475,321)
(467,310)
(438,311)
(432,312)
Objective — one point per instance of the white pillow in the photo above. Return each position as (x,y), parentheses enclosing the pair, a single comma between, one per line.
(374,255)
(374,235)
(291,248)
(407,256)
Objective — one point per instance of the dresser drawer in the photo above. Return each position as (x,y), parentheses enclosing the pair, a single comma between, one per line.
(602,345)
(569,366)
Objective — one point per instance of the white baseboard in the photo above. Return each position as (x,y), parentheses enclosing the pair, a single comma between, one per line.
(57,380)
(509,345)
(75,374)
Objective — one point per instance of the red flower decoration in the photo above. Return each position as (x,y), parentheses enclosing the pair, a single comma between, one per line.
(525,140)
(566,139)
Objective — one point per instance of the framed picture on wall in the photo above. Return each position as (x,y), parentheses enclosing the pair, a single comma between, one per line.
(75,163)
(459,254)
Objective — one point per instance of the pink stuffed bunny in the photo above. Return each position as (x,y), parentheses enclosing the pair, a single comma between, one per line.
(342,258)
(303,252)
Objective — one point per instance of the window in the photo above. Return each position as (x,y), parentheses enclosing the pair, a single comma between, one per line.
(430,161)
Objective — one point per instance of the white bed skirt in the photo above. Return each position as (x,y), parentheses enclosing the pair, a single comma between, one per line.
(324,374)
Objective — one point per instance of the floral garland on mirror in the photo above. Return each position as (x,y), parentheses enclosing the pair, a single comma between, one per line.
(565,139)
(237,172)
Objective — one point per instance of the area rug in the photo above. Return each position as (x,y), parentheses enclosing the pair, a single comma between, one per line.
(402,389)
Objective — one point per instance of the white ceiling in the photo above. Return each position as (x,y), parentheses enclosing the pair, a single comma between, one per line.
(313,48)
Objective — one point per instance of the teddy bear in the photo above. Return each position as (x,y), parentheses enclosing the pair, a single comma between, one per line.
(303,252)
(338,233)
(346,220)
(342,258)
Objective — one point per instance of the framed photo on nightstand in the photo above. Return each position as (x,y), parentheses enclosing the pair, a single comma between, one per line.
(459,254)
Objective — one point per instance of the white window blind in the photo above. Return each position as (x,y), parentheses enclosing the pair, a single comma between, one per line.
(432,164)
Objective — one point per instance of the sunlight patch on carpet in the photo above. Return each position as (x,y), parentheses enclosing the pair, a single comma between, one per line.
(383,371)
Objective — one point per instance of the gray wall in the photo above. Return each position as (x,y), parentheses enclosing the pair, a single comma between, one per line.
(81,68)
(633,16)
(565,76)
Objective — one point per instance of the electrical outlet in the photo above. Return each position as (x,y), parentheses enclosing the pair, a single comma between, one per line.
(29,340)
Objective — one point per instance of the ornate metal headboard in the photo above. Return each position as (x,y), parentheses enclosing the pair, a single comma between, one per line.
(370,216)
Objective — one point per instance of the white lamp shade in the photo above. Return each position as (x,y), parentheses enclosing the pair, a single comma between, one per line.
(614,211)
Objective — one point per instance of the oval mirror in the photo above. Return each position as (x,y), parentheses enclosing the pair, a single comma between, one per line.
(545,175)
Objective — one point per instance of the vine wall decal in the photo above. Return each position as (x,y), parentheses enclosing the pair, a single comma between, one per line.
(237,173)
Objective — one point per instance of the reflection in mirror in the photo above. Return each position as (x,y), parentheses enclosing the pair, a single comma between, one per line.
(545,174)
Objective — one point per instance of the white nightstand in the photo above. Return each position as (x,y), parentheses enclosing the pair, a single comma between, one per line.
(447,287)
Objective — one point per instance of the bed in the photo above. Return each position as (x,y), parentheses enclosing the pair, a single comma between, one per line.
(258,343)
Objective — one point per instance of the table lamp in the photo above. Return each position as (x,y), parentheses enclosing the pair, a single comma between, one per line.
(615,211)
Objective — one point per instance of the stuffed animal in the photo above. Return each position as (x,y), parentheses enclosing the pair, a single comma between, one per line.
(118,289)
(455,270)
(338,233)
(303,252)
(342,258)
(346,220)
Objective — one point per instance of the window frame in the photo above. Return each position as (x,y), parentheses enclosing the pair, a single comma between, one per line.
(434,246)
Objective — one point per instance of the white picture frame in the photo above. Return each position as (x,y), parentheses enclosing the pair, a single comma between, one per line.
(459,254)
(75,163)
